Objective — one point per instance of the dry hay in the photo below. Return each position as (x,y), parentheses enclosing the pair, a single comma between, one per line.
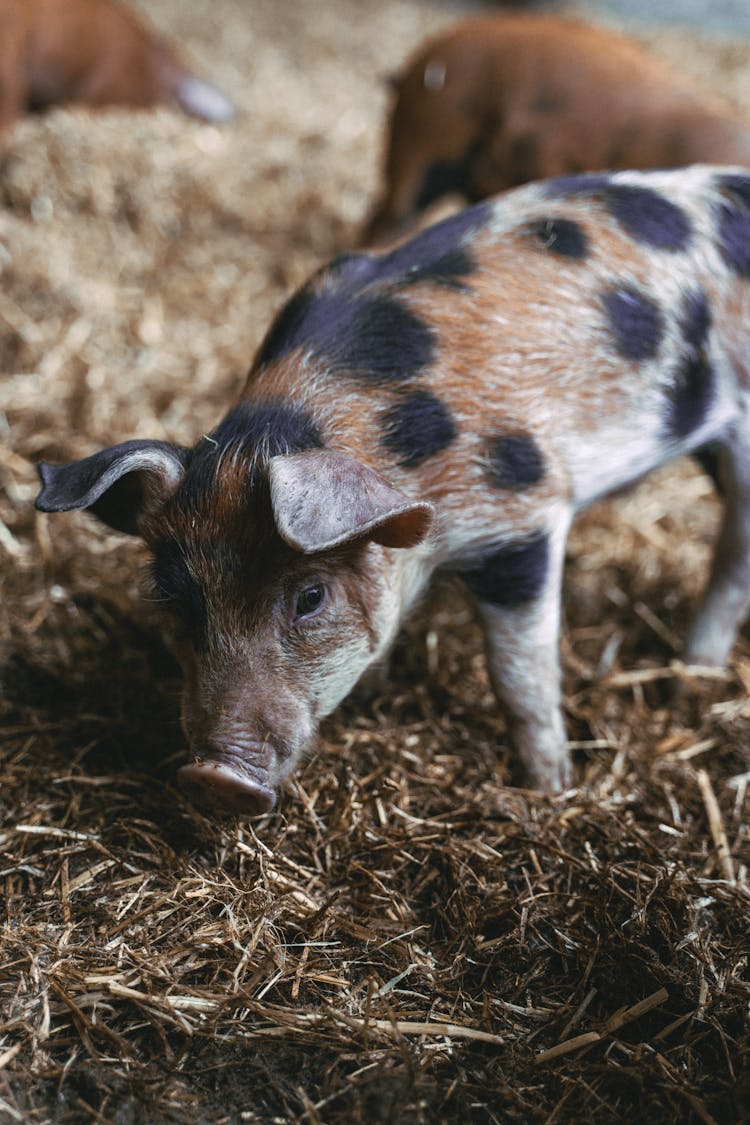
(404,939)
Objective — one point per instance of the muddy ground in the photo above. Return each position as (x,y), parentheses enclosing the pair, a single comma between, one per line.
(406,937)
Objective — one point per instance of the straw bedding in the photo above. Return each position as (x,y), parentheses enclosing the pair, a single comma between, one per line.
(406,938)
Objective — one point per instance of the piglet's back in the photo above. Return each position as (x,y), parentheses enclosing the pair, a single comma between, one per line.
(555,342)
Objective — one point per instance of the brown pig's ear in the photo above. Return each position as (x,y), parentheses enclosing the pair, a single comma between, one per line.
(118,485)
(203,100)
(322,499)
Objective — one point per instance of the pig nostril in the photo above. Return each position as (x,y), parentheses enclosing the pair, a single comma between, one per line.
(223,789)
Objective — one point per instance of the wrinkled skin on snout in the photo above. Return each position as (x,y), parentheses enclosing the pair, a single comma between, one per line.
(278,587)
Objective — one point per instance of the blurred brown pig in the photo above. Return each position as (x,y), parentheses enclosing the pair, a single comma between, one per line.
(94,52)
(501,100)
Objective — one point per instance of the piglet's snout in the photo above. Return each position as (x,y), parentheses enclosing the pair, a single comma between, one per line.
(229,781)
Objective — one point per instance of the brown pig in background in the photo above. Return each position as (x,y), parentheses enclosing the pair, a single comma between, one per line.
(501,100)
(94,52)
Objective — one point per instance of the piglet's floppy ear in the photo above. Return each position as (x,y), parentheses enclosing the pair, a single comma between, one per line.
(117,485)
(322,499)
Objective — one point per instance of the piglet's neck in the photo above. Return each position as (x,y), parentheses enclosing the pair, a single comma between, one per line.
(407,578)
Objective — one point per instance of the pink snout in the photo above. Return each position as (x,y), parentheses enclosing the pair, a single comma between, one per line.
(225,788)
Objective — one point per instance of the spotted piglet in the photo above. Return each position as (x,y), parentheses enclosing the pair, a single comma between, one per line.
(446,406)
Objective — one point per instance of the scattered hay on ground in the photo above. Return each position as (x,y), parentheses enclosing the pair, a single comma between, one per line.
(405,939)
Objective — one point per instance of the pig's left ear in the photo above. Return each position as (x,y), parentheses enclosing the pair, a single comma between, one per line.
(322,499)
(118,485)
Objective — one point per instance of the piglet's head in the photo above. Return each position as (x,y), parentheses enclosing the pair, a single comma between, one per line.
(279,583)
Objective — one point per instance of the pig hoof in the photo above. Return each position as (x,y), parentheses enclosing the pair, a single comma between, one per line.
(554,778)
(222,788)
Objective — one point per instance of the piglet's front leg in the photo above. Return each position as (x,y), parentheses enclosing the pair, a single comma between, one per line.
(518,594)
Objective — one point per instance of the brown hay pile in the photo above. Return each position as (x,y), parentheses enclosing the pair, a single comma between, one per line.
(404,939)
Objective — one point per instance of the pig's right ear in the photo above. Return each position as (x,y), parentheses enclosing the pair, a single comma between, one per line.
(323,498)
(119,485)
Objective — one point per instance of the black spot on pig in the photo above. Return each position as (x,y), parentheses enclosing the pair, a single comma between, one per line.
(257,432)
(645,214)
(177,590)
(636,322)
(448,269)
(735,185)
(345,318)
(733,223)
(354,268)
(648,217)
(734,238)
(515,461)
(382,341)
(563,237)
(418,427)
(272,427)
(437,254)
(586,184)
(694,386)
(512,575)
(691,396)
(696,319)
(369,335)
(286,331)
(269,427)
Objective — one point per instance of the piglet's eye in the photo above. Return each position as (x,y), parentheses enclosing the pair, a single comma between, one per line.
(309,601)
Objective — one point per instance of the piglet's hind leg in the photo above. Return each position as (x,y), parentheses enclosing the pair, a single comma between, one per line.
(727,599)
(522,643)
